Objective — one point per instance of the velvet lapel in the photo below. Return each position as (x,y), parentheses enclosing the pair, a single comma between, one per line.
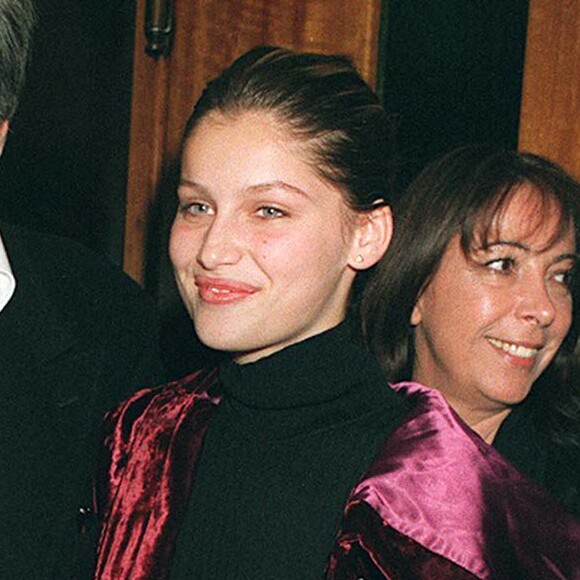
(152,444)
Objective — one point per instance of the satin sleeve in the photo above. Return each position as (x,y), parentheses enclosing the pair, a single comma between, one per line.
(369,549)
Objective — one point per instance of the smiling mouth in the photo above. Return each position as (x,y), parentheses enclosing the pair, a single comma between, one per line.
(512,349)
(223,291)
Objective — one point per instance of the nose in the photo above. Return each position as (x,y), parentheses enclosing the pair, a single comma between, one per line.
(536,305)
(220,245)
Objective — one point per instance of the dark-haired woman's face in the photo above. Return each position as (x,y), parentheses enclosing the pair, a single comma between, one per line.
(488,324)
(264,251)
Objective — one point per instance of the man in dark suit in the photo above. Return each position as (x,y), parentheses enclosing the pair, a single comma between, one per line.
(76,336)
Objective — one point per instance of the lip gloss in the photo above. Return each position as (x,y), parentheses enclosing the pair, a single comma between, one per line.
(223,291)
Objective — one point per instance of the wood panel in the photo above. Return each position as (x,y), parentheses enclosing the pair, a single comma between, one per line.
(149,106)
(550,116)
(209,34)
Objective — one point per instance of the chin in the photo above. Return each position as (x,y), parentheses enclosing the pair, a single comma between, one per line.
(514,397)
(222,339)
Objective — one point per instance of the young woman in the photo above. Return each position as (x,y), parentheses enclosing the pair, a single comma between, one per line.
(244,471)
(475,299)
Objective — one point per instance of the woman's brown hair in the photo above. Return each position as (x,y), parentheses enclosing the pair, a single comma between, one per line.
(461,193)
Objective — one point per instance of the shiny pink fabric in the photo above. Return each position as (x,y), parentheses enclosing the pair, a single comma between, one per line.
(369,548)
(439,484)
(153,441)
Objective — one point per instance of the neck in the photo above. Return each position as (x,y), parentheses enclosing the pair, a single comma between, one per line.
(485,422)
(482,415)
(486,426)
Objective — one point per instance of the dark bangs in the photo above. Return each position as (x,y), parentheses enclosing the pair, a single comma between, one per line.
(480,227)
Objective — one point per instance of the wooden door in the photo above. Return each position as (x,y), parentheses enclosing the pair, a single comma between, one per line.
(550,116)
(208,35)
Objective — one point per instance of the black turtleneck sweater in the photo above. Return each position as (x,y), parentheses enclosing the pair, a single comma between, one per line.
(291,437)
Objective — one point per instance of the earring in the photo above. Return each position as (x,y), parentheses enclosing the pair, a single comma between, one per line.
(359,259)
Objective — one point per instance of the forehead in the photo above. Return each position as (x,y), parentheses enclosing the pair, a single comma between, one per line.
(250,150)
(526,215)
(260,127)
(241,144)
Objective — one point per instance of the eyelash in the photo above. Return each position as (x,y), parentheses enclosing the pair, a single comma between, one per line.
(195,208)
(268,208)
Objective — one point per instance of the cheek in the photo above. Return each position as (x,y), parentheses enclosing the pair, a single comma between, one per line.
(564,320)
(487,306)
(182,245)
(459,314)
(282,253)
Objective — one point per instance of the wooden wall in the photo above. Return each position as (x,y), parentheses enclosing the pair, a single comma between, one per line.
(550,114)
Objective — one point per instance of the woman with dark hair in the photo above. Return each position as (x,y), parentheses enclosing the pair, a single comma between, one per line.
(243,471)
(474,300)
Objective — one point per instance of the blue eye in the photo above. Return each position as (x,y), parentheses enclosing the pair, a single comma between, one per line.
(196,208)
(269,212)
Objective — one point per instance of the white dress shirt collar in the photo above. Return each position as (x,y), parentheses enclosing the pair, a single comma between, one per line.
(7,280)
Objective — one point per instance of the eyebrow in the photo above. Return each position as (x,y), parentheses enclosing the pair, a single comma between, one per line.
(262,187)
(192,184)
(509,243)
(252,189)
(574,257)
(523,247)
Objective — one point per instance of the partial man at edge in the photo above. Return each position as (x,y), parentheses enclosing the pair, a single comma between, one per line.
(76,336)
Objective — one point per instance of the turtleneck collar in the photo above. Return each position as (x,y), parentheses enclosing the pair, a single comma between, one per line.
(317,370)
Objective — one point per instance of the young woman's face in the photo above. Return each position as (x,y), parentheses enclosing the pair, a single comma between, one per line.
(263,249)
(488,325)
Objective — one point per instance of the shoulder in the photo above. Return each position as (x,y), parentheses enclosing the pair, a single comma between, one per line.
(527,444)
(147,424)
(71,300)
(61,263)
(81,287)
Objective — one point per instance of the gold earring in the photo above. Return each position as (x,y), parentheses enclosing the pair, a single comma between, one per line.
(359,259)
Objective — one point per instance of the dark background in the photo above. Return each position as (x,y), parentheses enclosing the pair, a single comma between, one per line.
(65,163)
(451,72)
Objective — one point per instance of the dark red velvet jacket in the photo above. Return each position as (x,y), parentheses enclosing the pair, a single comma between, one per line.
(437,502)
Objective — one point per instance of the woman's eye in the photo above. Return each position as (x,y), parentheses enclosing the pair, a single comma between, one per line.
(564,277)
(503,265)
(270,212)
(196,208)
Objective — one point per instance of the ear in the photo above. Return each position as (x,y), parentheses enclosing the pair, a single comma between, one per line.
(3,133)
(374,231)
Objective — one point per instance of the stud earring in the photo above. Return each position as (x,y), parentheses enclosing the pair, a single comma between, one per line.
(359,259)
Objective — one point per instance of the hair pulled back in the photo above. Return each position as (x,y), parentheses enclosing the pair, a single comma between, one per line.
(323,102)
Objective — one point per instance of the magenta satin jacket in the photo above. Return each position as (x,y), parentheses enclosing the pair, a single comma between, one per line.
(437,502)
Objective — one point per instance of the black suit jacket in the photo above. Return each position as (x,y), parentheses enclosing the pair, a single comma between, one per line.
(76,337)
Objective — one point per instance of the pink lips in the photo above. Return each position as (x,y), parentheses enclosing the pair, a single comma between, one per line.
(223,291)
